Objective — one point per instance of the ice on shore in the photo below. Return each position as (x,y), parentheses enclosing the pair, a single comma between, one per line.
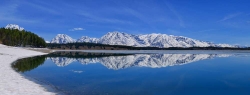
(13,83)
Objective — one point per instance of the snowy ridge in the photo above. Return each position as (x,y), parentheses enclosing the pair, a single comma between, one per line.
(139,60)
(62,38)
(14,26)
(119,38)
(163,40)
(88,39)
(147,40)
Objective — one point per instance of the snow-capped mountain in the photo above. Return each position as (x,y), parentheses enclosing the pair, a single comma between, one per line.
(14,26)
(88,39)
(139,60)
(148,40)
(119,38)
(62,38)
(154,40)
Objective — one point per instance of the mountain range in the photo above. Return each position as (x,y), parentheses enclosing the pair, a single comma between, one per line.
(146,40)
(121,38)
(138,60)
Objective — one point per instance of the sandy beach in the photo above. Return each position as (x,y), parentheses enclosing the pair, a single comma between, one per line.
(13,83)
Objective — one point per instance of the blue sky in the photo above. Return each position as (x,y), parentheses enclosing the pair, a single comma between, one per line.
(218,21)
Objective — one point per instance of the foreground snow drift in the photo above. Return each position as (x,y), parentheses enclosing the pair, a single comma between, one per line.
(11,82)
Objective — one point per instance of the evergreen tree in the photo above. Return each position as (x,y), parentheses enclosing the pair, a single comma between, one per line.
(15,37)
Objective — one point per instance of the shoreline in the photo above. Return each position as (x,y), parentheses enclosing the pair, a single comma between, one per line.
(160,51)
(14,83)
(199,51)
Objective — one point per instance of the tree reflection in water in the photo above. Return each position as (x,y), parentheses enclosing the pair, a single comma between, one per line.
(27,64)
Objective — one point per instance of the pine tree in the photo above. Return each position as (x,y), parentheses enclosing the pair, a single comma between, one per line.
(14,37)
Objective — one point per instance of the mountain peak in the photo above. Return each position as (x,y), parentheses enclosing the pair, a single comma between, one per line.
(62,38)
(61,35)
(88,39)
(116,33)
(119,38)
(14,26)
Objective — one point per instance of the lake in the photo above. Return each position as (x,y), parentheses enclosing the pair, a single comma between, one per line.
(142,73)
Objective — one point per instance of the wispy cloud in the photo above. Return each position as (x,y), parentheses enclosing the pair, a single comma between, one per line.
(76,29)
(140,16)
(75,71)
(172,9)
(96,18)
(136,14)
(8,13)
(47,8)
(230,16)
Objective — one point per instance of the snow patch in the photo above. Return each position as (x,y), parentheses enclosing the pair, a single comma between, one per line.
(14,26)
(12,83)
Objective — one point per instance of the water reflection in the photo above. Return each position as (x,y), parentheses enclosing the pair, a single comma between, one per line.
(69,72)
(113,61)
(138,60)
(27,64)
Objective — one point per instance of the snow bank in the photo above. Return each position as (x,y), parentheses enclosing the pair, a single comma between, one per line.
(11,82)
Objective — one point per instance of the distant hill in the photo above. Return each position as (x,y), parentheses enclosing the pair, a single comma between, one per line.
(13,35)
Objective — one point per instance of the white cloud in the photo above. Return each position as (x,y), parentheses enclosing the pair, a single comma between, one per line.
(76,71)
(76,29)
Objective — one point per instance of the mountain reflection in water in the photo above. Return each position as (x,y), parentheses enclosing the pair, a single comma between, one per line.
(139,60)
(113,61)
(81,73)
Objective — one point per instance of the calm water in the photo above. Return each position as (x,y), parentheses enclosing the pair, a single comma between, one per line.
(78,73)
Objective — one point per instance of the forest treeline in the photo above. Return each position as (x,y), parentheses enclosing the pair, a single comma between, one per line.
(96,46)
(83,54)
(15,37)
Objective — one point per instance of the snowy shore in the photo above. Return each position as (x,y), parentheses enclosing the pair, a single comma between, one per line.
(13,83)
